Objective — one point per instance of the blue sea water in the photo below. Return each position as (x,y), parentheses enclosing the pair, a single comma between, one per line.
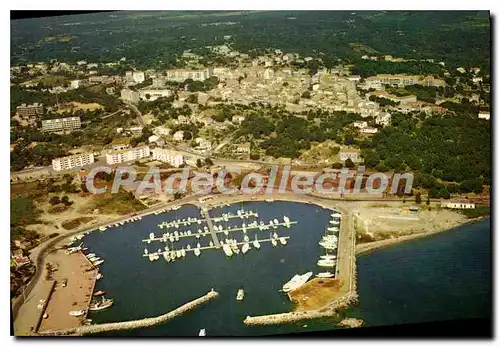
(440,277)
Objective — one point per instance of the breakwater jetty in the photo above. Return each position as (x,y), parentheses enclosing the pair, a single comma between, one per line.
(142,323)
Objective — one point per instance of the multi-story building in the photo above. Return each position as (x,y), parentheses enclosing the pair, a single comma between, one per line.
(369,130)
(179,136)
(133,154)
(136,130)
(171,157)
(154,94)
(360,124)
(458,204)
(138,77)
(62,124)
(30,110)
(484,115)
(349,154)
(243,148)
(73,161)
(130,96)
(383,119)
(404,80)
(181,75)
(75,84)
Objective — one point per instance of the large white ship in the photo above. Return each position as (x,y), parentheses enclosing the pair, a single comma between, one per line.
(296,282)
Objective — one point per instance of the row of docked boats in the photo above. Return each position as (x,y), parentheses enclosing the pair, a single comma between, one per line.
(330,243)
(121,223)
(202,232)
(96,261)
(192,220)
(167,210)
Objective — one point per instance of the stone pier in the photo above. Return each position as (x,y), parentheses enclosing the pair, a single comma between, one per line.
(145,322)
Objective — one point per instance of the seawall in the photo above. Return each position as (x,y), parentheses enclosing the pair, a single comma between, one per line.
(143,323)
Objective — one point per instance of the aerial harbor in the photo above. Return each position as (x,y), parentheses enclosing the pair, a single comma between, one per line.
(234,173)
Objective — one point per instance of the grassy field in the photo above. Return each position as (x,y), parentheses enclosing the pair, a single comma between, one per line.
(72,224)
(121,203)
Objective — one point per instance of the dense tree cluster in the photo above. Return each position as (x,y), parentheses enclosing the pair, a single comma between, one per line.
(448,148)
(366,68)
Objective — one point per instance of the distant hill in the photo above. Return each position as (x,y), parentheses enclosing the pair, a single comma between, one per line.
(460,38)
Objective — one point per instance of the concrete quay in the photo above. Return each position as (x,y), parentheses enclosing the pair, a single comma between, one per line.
(143,323)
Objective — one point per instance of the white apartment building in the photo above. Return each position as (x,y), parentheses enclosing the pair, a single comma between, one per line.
(383,119)
(203,144)
(237,119)
(458,204)
(171,157)
(179,136)
(62,124)
(181,75)
(73,161)
(369,130)
(154,94)
(353,155)
(132,154)
(484,115)
(135,130)
(360,124)
(75,84)
(138,77)
(130,96)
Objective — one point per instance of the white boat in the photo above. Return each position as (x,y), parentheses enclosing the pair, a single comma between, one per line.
(275,235)
(330,237)
(188,247)
(296,282)
(245,238)
(105,303)
(211,243)
(283,241)
(227,250)
(102,228)
(325,275)
(90,255)
(77,312)
(202,332)
(166,256)
(328,257)
(256,243)
(329,246)
(276,221)
(94,259)
(333,229)
(245,248)
(197,252)
(334,222)
(198,245)
(326,263)
(240,295)
(98,262)
(99,276)
(274,242)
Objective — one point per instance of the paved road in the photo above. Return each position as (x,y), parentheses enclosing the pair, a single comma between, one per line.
(140,120)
